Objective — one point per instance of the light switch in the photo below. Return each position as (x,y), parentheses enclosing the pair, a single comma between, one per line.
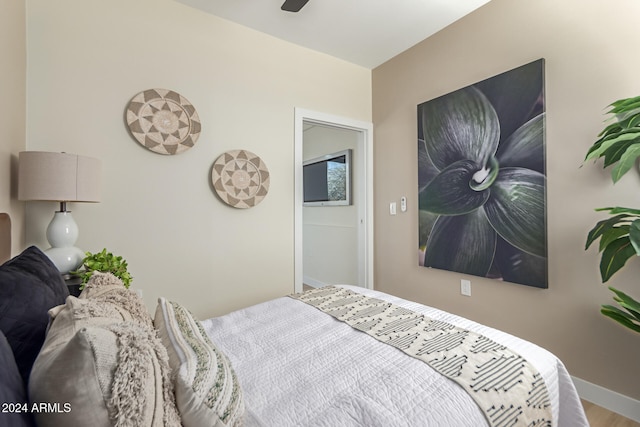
(392,208)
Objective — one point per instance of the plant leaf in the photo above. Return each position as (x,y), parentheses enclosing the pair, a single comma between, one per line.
(610,132)
(627,161)
(105,261)
(627,302)
(631,121)
(620,210)
(458,126)
(612,234)
(619,312)
(615,153)
(608,144)
(624,116)
(623,123)
(449,192)
(516,209)
(625,104)
(630,212)
(634,235)
(463,243)
(624,101)
(619,316)
(611,129)
(629,111)
(614,256)
(603,227)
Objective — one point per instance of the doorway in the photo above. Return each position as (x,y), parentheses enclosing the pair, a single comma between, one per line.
(362,190)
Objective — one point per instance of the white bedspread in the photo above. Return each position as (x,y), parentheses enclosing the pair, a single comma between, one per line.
(300,367)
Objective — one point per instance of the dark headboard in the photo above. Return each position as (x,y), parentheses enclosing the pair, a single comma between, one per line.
(5,237)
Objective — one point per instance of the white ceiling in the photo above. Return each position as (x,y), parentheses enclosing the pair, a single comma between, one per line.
(363,32)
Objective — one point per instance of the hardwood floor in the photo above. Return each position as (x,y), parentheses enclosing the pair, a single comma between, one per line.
(600,417)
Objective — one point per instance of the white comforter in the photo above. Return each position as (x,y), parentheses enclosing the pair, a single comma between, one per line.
(300,367)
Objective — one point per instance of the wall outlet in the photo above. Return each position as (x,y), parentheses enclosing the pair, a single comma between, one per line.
(465,287)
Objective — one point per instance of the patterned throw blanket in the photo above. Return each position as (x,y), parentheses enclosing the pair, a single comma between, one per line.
(506,387)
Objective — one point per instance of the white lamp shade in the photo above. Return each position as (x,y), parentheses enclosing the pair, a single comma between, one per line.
(60,177)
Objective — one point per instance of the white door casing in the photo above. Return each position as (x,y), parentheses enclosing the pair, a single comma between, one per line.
(365,189)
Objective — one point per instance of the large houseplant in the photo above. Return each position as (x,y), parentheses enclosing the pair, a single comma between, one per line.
(619,144)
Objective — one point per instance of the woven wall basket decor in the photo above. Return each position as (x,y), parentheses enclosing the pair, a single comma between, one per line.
(163,121)
(240,178)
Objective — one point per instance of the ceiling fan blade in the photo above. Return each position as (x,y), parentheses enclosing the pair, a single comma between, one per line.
(293,5)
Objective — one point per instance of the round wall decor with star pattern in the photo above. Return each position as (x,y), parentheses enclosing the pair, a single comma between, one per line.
(163,121)
(240,178)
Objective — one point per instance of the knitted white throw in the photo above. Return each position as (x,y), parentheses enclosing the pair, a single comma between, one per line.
(507,388)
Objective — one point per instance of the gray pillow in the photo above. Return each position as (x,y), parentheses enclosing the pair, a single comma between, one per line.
(12,391)
(30,284)
(105,365)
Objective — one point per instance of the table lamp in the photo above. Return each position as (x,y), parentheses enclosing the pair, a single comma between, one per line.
(60,177)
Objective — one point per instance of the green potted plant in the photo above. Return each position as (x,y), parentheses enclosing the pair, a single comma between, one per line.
(106,262)
(619,144)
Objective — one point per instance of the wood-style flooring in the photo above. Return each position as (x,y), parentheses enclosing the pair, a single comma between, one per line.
(600,417)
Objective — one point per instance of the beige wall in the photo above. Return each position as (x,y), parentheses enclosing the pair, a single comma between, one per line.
(588,46)
(87,59)
(12,111)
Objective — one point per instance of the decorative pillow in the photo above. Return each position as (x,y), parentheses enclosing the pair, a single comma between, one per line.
(12,392)
(30,284)
(109,289)
(207,390)
(100,371)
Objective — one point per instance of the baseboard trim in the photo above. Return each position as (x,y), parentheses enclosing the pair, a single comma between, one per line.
(611,400)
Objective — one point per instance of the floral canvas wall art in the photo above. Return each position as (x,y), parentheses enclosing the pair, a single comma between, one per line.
(482,178)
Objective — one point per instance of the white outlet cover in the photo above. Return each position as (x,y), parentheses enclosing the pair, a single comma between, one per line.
(465,287)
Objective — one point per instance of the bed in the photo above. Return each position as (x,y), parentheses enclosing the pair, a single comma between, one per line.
(300,360)
(300,366)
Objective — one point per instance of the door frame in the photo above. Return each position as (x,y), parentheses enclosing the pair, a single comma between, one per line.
(365,189)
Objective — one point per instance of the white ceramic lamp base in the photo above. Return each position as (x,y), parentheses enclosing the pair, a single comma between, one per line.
(62,234)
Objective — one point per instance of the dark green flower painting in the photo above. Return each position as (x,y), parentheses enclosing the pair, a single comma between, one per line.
(482,179)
